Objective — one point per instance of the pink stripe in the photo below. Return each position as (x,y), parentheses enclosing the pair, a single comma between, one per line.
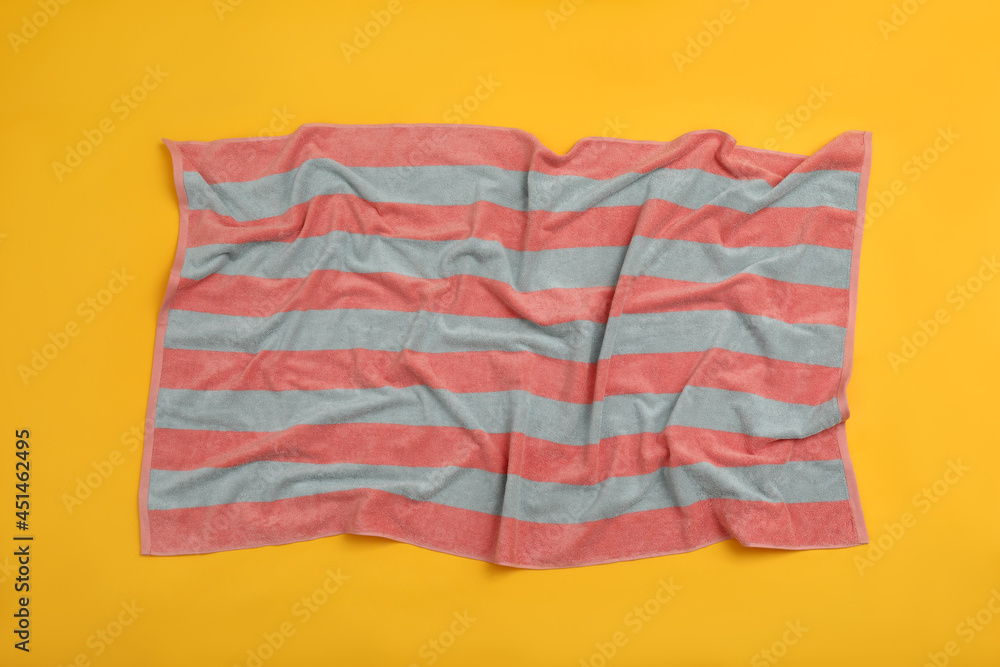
(275,370)
(502,540)
(600,226)
(515,453)
(332,290)
(251,296)
(788,381)
(571,381)
(395,145)
(743,293)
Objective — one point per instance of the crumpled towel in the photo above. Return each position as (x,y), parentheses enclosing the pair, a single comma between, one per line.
(450,336)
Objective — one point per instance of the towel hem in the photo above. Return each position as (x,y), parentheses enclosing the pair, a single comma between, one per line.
(534,137)
(848,363)
(177,159)
(505,563)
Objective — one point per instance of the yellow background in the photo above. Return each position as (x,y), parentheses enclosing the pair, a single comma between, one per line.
(609,68)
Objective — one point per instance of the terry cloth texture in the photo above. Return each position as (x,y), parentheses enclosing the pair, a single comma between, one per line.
(451,336)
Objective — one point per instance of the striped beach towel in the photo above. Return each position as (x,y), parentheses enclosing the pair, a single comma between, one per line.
(451,336)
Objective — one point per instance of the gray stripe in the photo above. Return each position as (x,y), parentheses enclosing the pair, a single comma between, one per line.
(525,271)
(702,330)
(488,492)
(577,340)
(521,190)
(494,412)
(387,330)
(804,264)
